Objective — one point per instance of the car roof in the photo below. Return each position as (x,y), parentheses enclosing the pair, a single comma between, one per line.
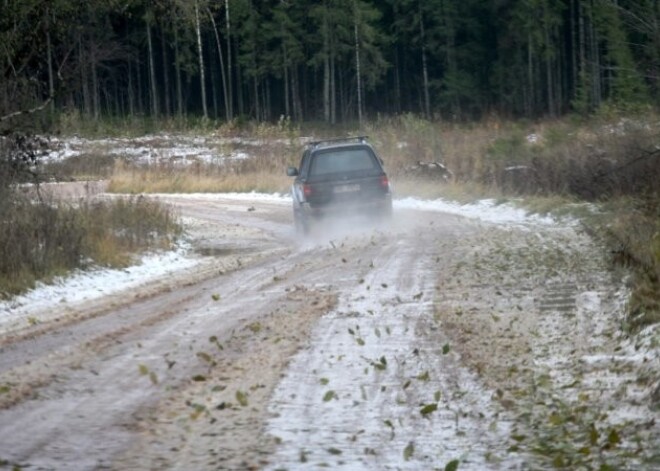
(338,142)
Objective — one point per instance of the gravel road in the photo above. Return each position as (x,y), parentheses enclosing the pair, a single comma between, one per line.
(435,341)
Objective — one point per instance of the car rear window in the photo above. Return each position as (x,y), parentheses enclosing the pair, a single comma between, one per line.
(343,161)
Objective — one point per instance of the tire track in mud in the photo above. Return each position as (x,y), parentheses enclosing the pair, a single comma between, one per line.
(543,328)
(96,393)
(365,350)
(379,386)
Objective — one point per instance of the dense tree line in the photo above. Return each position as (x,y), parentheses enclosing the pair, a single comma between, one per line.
(331,60)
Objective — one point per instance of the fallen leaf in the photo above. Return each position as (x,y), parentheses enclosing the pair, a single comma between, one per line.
(241,397)
(428,409)
(408,451)
(328,396)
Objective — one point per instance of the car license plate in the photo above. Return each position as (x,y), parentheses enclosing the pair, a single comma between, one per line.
(346,188)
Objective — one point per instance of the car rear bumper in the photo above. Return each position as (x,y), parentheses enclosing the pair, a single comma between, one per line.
(374,207)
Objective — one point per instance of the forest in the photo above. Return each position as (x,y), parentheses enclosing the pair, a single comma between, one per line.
(327,61)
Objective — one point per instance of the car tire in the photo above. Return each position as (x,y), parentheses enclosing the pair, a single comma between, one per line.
(301,222)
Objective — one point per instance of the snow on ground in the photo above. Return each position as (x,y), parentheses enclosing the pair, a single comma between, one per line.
(92,284)
(87,285)
(152,149)
(487,210)
(376,389)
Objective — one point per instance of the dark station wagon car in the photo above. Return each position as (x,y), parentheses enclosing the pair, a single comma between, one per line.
(339,178)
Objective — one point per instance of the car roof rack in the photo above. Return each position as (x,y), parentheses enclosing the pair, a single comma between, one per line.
(361,139)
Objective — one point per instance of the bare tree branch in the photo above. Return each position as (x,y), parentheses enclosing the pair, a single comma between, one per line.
(29,111)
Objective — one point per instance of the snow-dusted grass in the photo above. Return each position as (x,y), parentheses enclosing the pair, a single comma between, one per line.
(97,282)
(42,303)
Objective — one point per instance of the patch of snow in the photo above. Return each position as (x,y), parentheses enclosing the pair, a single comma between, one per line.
(251,196)
(88,285)
(374,382)
(487,210)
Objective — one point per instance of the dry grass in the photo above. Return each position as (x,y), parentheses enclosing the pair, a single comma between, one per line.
(43,239)
(196,179)
(634,236)
(555,165)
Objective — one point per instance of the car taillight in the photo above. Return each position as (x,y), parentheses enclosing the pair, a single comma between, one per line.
(384,182)
(307,190)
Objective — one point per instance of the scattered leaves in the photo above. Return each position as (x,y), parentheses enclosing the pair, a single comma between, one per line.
(408,451)
(428,409)
(381,364)
(241,397)
(424,376)
(329,396)
(255,327)
(205,357)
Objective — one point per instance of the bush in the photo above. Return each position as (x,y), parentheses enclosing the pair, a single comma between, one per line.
(41,239)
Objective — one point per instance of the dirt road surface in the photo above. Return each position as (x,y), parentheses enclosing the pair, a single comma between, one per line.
(434,342)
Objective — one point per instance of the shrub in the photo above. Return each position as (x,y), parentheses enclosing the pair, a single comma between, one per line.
(42,239)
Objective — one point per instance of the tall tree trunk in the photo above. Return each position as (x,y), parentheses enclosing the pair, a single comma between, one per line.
(130,91)
(95,81)
(358,77)
(285,77)
(177,67)
(425,70)
(326,70)
(575,48)
(230,92)
(594,60)
(213,81)
(152,69)
(397,81)
(255,91)
(239,81)
(140,94)
(166,74)
(333,89)
(222,66)
(297,104)
(200,52)
(49,52)
(548,72)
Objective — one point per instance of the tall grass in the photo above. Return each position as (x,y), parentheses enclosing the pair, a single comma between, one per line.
(610,160)
(199,178)
(40,240)
(606,159)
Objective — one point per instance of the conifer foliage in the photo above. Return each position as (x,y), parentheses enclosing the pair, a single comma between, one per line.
(329,60)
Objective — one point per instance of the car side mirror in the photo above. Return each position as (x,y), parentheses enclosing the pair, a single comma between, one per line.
(292,171)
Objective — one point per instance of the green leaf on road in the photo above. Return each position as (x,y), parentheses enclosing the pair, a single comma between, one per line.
(241,397)
(428,409)
(328,396)
(408,451)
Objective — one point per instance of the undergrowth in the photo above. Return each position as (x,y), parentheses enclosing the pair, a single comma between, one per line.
(565,166)
(43,239)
